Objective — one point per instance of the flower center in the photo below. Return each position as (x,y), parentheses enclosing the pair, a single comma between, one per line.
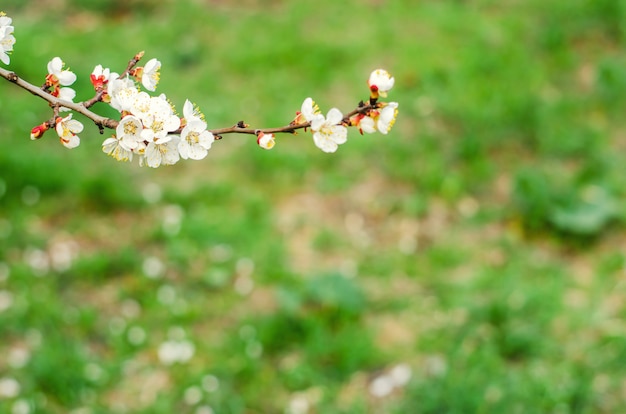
(193,138)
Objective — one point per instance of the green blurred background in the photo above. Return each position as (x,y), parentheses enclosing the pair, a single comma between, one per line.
(471,261)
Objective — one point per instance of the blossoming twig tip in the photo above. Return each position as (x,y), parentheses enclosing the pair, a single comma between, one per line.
(150,129)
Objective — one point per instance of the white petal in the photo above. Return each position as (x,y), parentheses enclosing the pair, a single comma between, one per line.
(109,141)
(147,135)
(317,122)
(206,139)
(66,77)
(196,125)
(323,143)
(183,149)
(172,123)
(75,126)
(387,117)
(55,65)
(170,151)
(97,71)
(367,125)
(72,141)
(153,155)
(152,64)
(5,20)
(334,116)
(308,109)
(339,134)
(188,110)
(196,152)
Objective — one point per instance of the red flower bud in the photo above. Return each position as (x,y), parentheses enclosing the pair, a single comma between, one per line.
(38,131)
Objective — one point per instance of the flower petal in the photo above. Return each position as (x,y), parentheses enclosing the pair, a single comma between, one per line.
(334,117)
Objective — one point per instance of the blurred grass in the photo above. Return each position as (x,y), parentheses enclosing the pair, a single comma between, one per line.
(480,244)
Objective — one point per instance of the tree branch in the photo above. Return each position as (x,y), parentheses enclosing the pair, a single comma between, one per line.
(100,121)
(103,122)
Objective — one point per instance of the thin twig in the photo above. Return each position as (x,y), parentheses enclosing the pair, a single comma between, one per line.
(103,122)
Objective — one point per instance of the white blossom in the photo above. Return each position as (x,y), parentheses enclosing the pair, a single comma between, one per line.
(122,92)
(191,112)
(7,40)
(129,132)
(113,147)
(380,120)
(64,77)
(309,109)
(100,76)
(141,105)
(327,134)
(66,94)
(57,77)
(195,140)
(380,82)
(67,128)
(159,120)
(387,117)
(150,76)
(162,151)
(266,141)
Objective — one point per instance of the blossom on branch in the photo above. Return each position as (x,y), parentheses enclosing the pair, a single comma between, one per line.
(113,146)
(128,132)
(380,120)
(7,40)
(158,123)
(122,92)
(67,128)
(380,82)
(327,134)
(57,77)
(162,151)
(148,74)
(38,131)
(387,117)
(195,140)
(159,120)
(151,76)
(265,141)
(149,128)
(191,112)
(100,77)
(141,105)
(307,112)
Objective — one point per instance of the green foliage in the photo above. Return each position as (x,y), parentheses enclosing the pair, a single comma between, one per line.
(543,202)
(320,321)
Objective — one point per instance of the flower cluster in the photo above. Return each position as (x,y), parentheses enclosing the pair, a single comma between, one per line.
(149,128)
(331,131)
(7,40)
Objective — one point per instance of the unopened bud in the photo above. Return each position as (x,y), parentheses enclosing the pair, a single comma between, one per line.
(265,141)
(38,131)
